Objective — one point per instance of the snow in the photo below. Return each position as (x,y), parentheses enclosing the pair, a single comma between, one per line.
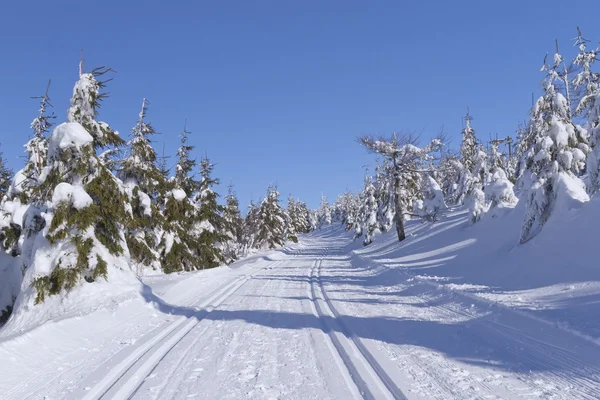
(145,202)
(457,310)
(66,135)
(178,194)
(74,195)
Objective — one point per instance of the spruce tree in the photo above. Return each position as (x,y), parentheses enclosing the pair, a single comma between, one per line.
(210,226)
(369,211)
(36,148)
(233,225)
(557,155)
(588,82)
(86,208)
(185,165)
(5,177)
(85,103)
(179,247)
(324,213)
(145,182)
(250,227)
(271,224)
(470,145)
(384,195)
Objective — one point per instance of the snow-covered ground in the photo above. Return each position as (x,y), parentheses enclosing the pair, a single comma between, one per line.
(455,311)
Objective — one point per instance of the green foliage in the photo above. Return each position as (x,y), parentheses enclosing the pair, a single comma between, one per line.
(9,238)
(59,279)
(101,269)
(209,213)
(5,177)
(110,213)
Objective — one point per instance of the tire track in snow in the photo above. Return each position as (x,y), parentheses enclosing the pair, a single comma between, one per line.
(124,378)
(368,375)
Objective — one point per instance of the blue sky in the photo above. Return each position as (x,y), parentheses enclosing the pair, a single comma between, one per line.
(278,91)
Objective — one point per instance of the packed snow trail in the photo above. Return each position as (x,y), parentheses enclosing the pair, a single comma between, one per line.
(312,321)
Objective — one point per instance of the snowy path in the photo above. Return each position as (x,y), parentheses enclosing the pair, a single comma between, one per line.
(314,322)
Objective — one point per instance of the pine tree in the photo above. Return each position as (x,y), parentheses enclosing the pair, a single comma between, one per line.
(145,182)
(179,247)
(385,196)
(250,227)
(588,82)
(36,148)
(85,102)
(271,222)
(469,146)
(87,208)
(557,156)
(210,227)
(369,211)
(324,213)
(5,177)
(452,173)
(233,224)
(431,202)
(185,165)
(297,213)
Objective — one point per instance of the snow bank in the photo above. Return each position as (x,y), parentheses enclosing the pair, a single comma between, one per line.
(487,259)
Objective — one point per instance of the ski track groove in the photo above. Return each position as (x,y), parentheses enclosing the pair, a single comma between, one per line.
(188,354)
(153,347)
(361,354)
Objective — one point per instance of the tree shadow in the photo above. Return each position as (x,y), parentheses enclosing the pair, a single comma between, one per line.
(480,341)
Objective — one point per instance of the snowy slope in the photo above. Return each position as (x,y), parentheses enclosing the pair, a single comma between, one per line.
(455,311)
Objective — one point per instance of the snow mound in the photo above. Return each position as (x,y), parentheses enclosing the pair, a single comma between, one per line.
(66,135)
(75,195)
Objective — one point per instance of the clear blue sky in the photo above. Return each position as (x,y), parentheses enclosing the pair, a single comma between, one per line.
(278,91)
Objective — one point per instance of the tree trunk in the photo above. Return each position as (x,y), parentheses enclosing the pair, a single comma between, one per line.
(399,216)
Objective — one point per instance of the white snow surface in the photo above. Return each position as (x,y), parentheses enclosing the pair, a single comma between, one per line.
(178,194)
(456,311)
(65,135)
(75,195)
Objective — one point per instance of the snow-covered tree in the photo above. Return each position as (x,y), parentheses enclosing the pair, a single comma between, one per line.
(369,211)
(250,227)
(178,246)
(271,224)
(210,227)
(233,226)
(185,165)
(588,82)
(299,215)
(82,202)
(85,102)
(432,202)
(409,163)
(469,146)
(324,213)
(557,154)
(5,177)
(144,182)
(37,148)
(451,174)
(499,191)
(385,196)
